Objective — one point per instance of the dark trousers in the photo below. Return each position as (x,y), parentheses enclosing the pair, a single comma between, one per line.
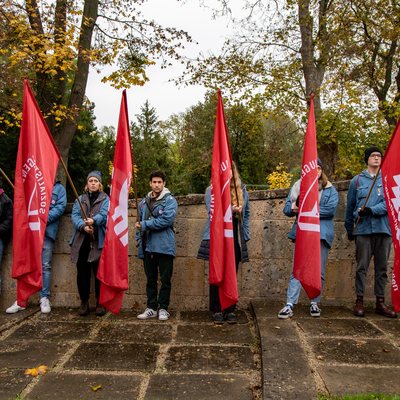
(153,263)
(215,305)
(368,246)
(84,275)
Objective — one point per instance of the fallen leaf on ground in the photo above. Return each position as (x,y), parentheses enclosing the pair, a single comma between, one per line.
(40,370)
(95,388)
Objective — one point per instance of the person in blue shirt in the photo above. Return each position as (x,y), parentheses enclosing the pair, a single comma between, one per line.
(328,201)
(56,210)
(368,225)
(156,244)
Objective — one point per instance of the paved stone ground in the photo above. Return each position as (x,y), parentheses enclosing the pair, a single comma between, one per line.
(335,354)
(187,357)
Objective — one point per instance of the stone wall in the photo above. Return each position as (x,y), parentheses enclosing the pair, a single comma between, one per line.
(266,275)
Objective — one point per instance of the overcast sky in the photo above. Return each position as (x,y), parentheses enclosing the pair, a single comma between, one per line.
(164,96)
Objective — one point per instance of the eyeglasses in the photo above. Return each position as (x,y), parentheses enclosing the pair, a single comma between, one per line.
(376,155)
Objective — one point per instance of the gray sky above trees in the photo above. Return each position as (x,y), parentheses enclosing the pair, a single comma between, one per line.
(164,96)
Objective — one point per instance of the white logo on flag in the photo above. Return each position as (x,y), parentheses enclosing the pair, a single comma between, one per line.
(121,211)
(396,204)
(309,220)
(33,215)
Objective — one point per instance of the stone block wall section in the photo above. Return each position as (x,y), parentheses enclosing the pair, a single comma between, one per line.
(265,276)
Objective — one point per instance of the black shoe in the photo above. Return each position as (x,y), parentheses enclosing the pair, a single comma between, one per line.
(84,308)
(218,318)
(100,311)
(230,318)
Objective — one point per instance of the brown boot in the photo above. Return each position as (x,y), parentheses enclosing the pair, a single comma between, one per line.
(358,309)
(383,309)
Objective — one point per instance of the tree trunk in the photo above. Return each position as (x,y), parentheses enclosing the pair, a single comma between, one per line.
(63,136)
(314,71)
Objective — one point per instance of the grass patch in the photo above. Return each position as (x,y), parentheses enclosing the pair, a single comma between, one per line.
(372,396)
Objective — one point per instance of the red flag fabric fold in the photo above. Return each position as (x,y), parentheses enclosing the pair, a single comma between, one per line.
(35,171)
(222,253)
(113,266)
(390,170)
(307,261)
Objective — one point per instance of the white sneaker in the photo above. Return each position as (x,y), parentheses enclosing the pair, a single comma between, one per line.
(14,308)
(45,307)
(163,315)
(148,313)
(286,312)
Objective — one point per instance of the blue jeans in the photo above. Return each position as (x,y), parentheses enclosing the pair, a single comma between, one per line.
(294,287)
(47,255)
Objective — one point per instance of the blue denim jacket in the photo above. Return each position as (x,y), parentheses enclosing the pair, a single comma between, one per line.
(378,222)
(327,210)
(157,226)
(57,208)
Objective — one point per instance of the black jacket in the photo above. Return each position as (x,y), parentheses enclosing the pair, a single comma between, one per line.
(6,216)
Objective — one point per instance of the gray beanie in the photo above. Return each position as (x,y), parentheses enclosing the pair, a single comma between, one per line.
(96,174)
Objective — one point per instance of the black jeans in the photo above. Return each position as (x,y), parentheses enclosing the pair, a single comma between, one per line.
(84,275)
(154,262)
(215,304)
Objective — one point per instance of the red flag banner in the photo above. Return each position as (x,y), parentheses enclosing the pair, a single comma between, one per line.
(222,253)
(307,260)
(113,266)
(35,171)
(390,170)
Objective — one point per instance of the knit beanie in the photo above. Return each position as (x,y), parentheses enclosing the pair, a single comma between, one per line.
(369,151)
(96,174)
(319,162)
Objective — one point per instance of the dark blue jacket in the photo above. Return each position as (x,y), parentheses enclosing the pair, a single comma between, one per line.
(57,208)
(327,209)
(378,222)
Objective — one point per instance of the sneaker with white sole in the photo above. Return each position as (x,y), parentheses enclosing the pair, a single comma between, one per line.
(286,312)
(315,311)
(14,308)
(148,313)
(163,315)
(45,306)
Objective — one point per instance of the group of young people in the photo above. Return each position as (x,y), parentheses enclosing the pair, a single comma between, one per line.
(366,223)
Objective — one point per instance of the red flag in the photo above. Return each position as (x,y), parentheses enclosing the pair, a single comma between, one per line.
(35,171)
(222,253)
(307,260)
(391,183)
(113,266)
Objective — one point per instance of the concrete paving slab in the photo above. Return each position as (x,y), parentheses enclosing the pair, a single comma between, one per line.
(342,380)
(58,331)
(266,308)
(283,329)
(353,351)
(209,358)
(198,387)
(390,326)
(339,327)
(67,315)
(114,356)
(214,334)
(286,372)
(303,311)
(30,353)
(205,316)
(64,386)
(12,382)
(131,316)
(8,320)
(135,333)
